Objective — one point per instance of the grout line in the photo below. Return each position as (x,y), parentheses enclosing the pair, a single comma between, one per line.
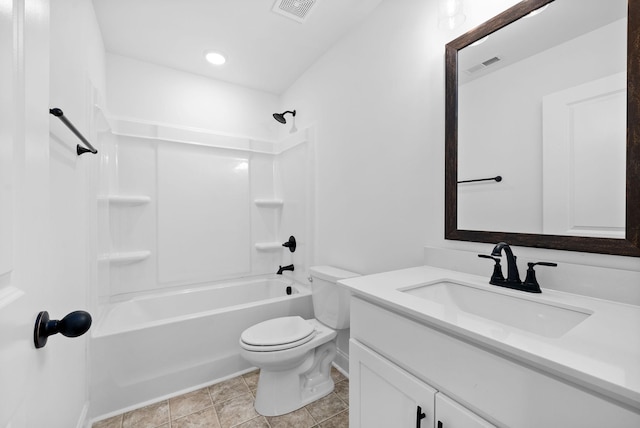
(315,422)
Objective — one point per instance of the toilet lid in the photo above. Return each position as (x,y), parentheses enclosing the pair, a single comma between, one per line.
(278,331)
(281,347)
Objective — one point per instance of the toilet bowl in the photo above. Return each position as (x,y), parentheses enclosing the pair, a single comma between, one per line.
(295,355)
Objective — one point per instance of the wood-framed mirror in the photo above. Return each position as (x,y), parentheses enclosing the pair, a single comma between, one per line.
(560,203)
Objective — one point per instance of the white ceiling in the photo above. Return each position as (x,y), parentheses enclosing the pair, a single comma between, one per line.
(264,50)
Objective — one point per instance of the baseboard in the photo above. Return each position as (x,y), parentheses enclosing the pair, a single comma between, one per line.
(341,363)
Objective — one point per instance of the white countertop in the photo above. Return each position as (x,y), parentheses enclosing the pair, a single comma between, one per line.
(601,353)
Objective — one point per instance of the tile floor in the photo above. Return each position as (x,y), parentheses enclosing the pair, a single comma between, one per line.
(230,404)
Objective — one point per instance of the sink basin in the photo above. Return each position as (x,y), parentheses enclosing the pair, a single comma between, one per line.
(539,317)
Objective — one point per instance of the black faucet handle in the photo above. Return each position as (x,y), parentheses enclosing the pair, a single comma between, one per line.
(530,282)
(291,244)
(496,277)
(542,264)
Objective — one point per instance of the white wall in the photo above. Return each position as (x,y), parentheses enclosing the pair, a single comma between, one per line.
(377,99)
(144,91)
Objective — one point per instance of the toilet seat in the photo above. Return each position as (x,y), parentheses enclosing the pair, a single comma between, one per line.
(277,334)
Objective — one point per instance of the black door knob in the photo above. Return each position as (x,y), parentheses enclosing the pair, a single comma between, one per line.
(73,325)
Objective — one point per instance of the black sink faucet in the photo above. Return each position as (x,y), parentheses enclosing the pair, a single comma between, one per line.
(513,276)
(530,284)
(283,268)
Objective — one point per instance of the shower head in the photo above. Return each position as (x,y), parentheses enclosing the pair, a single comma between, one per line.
(280,116)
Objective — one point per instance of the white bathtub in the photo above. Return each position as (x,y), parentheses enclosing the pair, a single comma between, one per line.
(151,347)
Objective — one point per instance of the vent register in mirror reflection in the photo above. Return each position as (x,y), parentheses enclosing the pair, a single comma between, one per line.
(542,101)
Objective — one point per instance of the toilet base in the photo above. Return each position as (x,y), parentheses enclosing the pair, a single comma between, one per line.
(281,392)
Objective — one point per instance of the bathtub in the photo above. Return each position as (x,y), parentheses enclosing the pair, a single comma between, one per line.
(148,348)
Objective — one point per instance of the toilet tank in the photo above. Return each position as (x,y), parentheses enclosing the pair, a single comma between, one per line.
(330,301)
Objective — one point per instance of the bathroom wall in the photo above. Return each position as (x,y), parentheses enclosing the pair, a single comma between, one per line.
(147,92)
(377,101)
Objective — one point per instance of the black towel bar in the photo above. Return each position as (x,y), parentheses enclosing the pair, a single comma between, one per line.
(496,178)
(79,149)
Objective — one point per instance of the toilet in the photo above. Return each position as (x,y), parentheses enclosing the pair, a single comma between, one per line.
(294,355)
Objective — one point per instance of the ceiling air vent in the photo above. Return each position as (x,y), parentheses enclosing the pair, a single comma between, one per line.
(298,10)
(483,65)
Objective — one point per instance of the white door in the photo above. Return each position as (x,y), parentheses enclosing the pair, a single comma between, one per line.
(450,414)
(383,395)
(24,206)
(584,145)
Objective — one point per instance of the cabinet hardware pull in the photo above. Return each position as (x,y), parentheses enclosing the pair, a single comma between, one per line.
(440,425)
(419,416)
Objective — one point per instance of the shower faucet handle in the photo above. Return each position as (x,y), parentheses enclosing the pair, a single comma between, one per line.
(290,244)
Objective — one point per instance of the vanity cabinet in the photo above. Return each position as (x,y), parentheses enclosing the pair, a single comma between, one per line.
(384,395)
(398,363)
(450,414)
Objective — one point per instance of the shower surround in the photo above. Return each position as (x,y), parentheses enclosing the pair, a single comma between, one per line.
(183,207)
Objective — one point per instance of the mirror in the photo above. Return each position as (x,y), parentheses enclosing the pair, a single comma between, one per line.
(546,96)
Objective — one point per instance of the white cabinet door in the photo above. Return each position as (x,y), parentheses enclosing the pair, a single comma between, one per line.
(382,395)
(25,279)
(450,414)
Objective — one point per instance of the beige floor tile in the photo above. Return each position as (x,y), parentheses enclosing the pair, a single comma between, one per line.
(300,418)
(259,422)
(342,391)
(341,420)
(228,389)
(326,407)
(189,403)
(236,411)
(147,417)
(233,407)
(114,422)
(251,379)
(205,418)
(336,375)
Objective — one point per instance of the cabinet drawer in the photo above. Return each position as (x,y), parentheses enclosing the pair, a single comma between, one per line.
(498,389)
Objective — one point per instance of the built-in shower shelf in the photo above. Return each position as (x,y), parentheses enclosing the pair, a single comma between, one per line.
(128,200)
(126,257)
(268,246)
(269,203)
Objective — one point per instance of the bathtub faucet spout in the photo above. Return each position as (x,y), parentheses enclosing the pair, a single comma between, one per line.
(283,268)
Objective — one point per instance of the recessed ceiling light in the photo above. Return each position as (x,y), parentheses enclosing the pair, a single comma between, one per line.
(479,42)
(537,11)
(215,58)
